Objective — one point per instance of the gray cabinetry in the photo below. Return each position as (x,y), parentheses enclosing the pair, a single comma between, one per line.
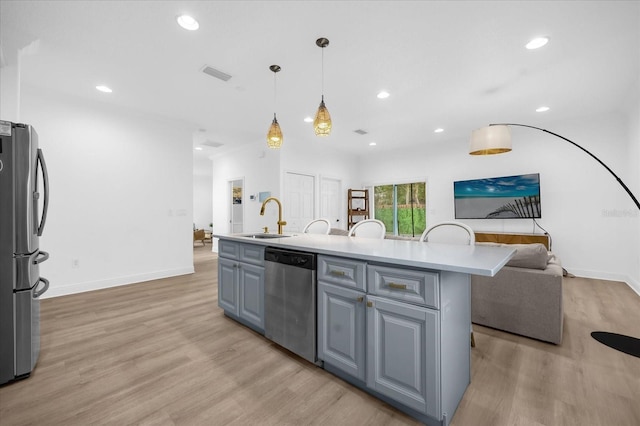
(403,336)
(341,328)
(341,314)
(241,282)
(403,354)
(398,332)
(376,323)
(408,285)
(228,285)
(343,272)
(251,294)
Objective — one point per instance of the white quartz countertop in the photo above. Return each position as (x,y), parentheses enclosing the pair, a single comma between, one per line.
(474,259)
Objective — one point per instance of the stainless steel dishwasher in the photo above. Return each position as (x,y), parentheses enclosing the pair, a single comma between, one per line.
(290,300)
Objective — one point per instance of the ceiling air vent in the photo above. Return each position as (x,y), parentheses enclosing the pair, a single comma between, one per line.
(361,132)
(216,73)
(212,144)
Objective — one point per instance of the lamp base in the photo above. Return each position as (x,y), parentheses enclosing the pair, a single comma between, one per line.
(626,344)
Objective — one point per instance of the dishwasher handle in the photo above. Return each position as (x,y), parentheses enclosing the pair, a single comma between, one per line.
(297,259)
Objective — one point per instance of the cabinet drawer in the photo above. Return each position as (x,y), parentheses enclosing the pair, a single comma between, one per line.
(344,272)
(248,253)
(229,249)
(408,285)
(253,254)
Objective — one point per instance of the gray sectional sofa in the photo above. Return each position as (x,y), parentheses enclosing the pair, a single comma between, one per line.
(524,297)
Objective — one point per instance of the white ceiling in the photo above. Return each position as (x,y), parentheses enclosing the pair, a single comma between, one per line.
(458,65)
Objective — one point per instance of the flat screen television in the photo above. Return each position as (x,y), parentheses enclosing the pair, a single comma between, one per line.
(507,197)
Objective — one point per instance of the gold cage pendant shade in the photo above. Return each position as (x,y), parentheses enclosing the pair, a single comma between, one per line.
(274,136)
(322,122)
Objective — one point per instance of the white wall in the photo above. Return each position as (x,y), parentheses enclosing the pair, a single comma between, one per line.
(263,169)
(259,166)
(202,201)
(121,193)
(317,157)
(582,204)
(634,167)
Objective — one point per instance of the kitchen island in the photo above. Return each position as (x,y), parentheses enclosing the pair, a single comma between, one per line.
(393,316)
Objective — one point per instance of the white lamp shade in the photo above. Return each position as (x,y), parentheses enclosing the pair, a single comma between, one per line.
(490,140)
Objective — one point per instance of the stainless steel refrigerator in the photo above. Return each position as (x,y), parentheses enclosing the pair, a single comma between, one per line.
(23,212)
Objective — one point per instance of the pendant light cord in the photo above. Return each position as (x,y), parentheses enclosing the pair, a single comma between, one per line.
(275,91)
(322,81)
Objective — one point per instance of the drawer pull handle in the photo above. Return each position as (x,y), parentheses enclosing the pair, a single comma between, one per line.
(369,304)
(398,286)
(360,298)
(338,273)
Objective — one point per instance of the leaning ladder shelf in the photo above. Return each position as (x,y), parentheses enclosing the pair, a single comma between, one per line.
(357,206)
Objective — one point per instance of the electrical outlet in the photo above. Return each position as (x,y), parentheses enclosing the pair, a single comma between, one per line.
(75,263)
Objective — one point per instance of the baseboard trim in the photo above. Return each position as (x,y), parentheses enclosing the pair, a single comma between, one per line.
(635,285)
(598,275)
(56,291)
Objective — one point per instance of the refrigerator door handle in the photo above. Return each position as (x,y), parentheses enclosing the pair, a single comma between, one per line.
(36,293)
(42,256)
(45,178)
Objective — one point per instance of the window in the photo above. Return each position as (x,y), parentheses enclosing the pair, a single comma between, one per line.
(402,207)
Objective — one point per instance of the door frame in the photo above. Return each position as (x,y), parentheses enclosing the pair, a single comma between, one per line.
(230,183)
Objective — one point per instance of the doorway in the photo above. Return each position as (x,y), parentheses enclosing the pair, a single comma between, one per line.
(236,202)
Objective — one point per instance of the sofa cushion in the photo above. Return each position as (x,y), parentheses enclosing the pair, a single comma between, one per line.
(532,256)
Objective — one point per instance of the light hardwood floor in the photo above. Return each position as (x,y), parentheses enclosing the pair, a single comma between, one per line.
(162,353)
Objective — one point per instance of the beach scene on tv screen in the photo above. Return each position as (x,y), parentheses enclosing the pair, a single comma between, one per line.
(508,197)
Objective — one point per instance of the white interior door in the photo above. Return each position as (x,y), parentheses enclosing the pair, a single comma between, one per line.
(299,193)
(331,201)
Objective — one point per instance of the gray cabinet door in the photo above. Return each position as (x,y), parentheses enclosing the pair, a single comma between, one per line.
(341,328)
(251,297)
(227,285)
(403,353)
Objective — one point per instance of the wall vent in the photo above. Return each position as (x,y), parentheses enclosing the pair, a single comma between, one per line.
(216,73)
(212,144)
(361,132)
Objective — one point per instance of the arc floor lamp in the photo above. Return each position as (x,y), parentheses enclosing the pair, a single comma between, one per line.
(496,139)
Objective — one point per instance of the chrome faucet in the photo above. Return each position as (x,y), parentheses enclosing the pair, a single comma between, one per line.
(281,222)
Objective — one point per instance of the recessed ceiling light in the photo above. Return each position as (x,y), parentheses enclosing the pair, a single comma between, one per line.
(308,120)
(198,148)
(383,95)
(438,130)
(372,144)
(188,22)
(104,89)
(537,43)
(542,109)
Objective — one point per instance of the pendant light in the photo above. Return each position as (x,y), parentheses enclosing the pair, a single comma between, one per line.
(274,136)
(322,122)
